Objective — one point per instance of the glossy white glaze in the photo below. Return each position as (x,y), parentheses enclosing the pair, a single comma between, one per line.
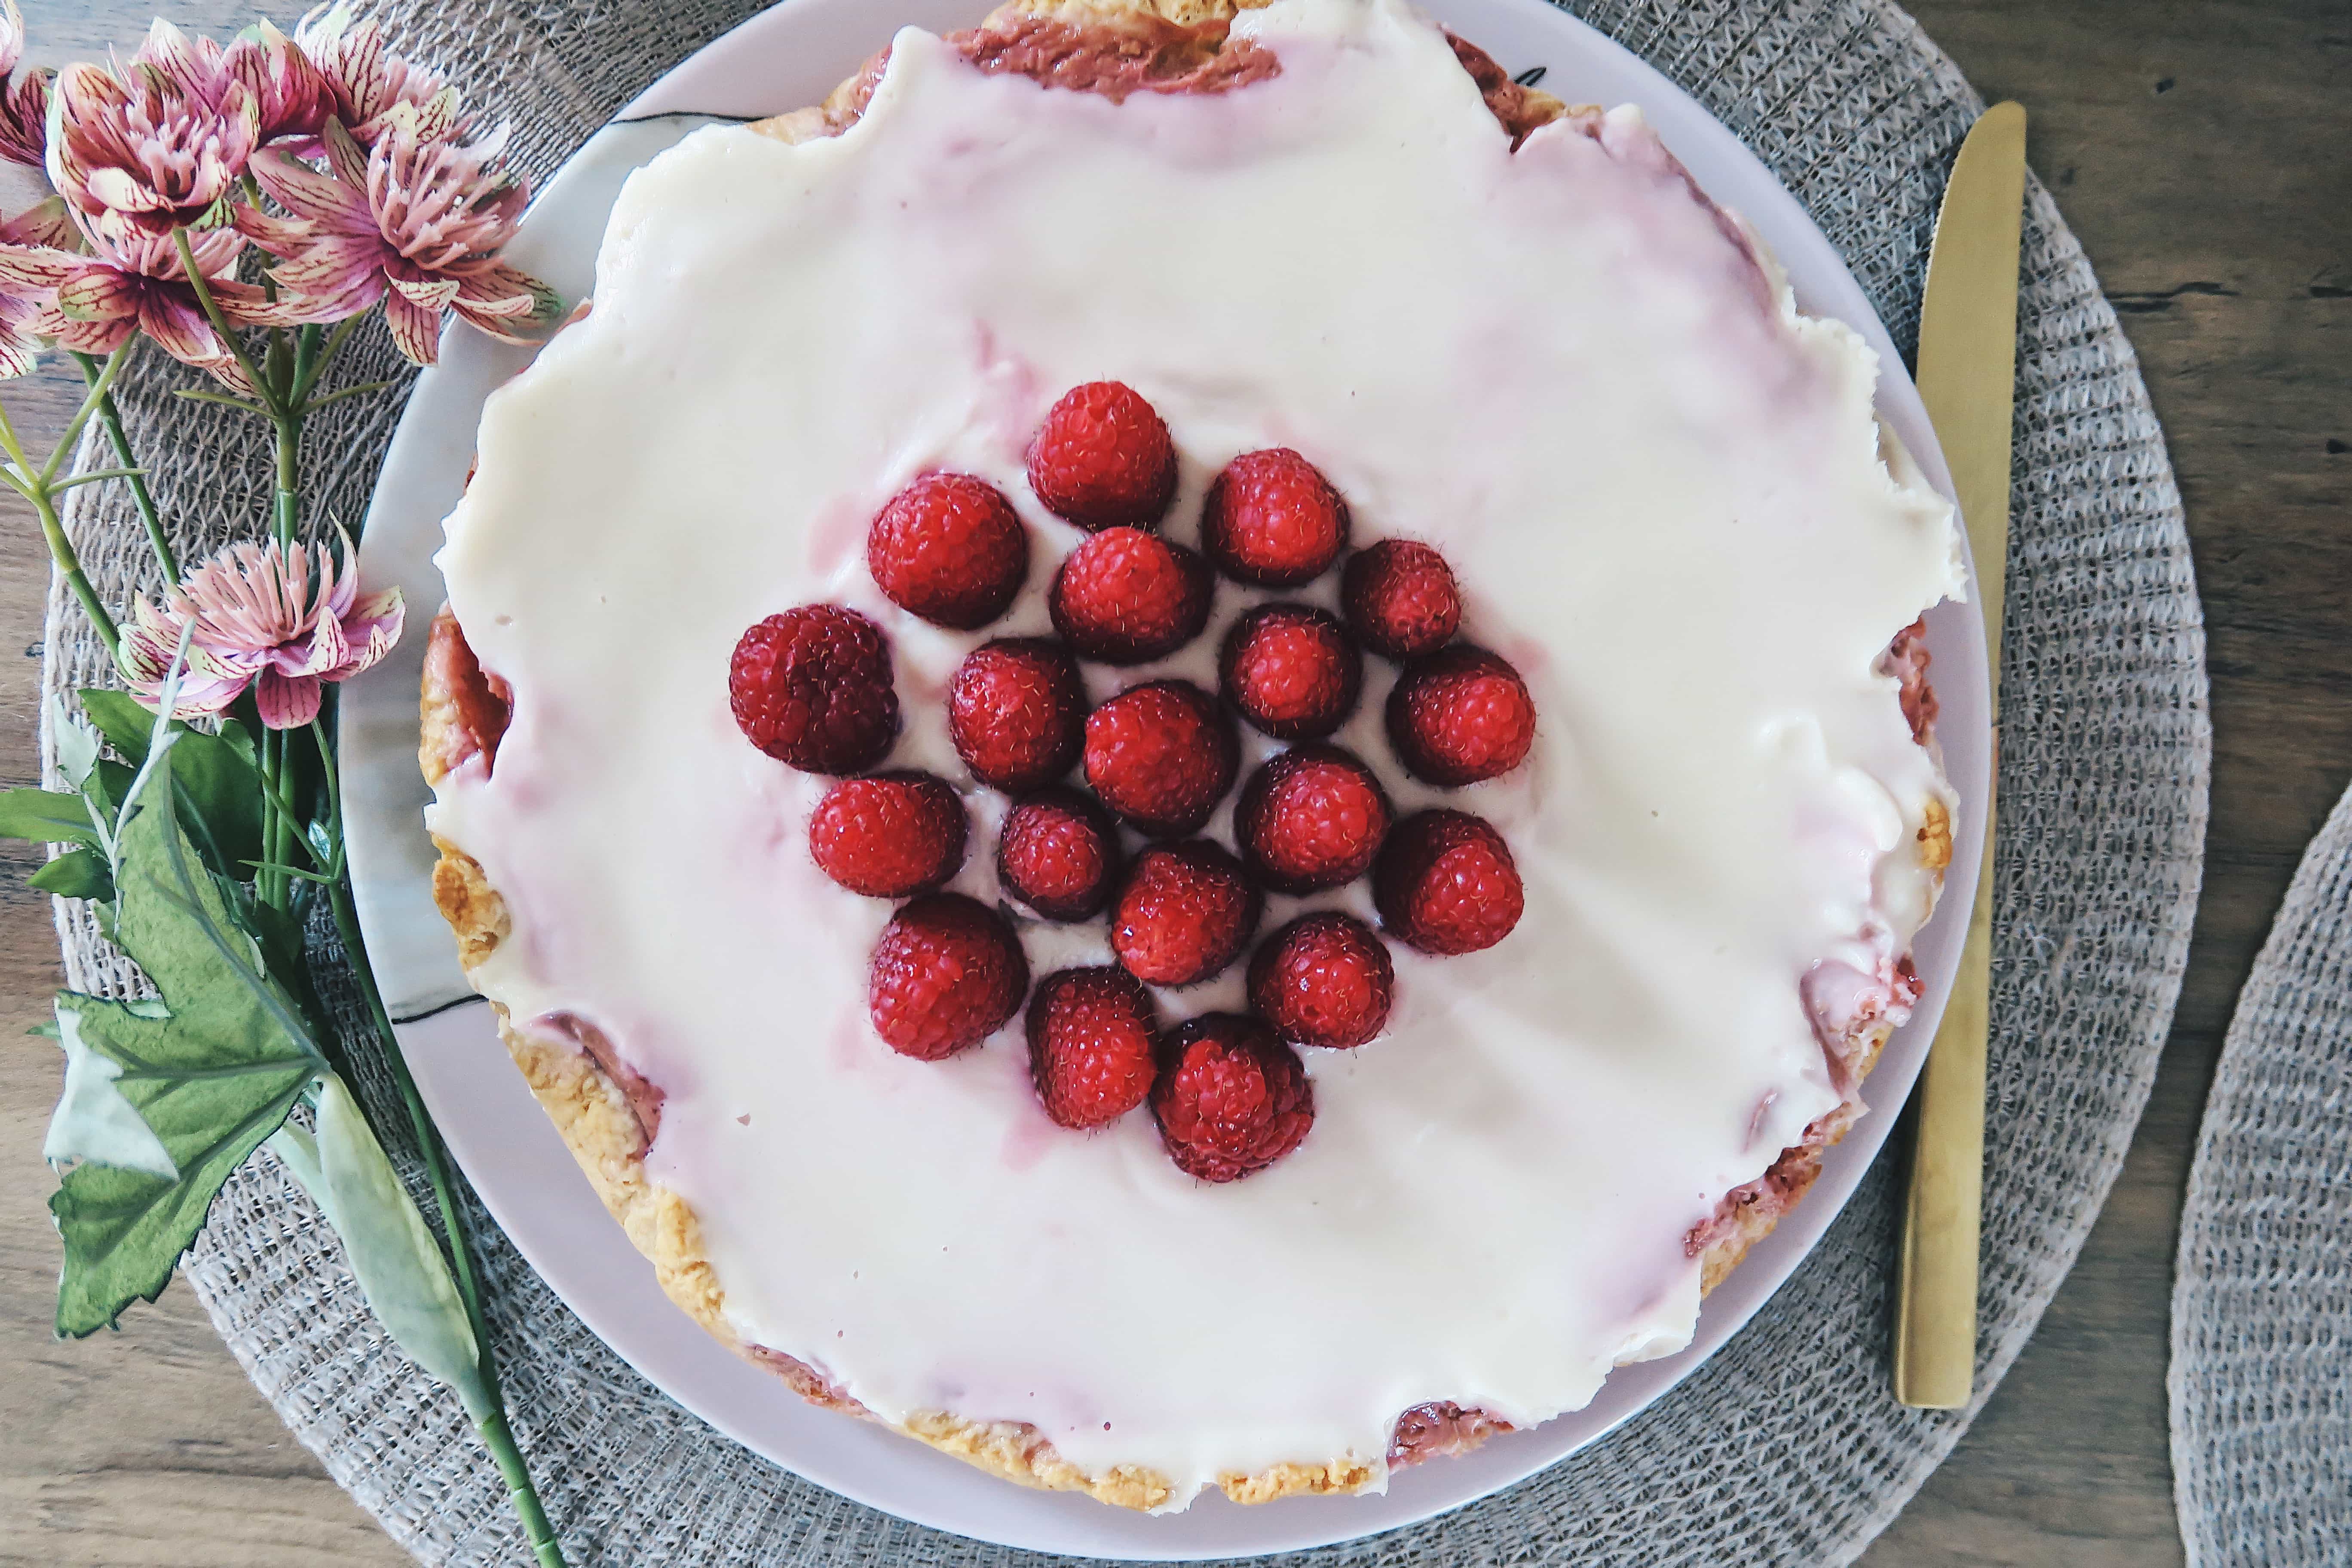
(1661,491)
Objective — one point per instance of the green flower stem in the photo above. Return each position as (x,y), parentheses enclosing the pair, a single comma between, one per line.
(97,392)
(306,356)
(194,395)
(287,509)
(92,476)
(307,372)
(285,514)
(111,417)
(34,487)
(270,887)
(62,551)
(275,387)
(501,1442)
(278,359)
(357,389)
(220,322)
(274,794)
(492,1427)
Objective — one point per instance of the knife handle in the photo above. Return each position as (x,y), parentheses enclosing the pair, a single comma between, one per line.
(1936,1274)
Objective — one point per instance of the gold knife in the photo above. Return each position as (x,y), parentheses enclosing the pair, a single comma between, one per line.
(1968,379)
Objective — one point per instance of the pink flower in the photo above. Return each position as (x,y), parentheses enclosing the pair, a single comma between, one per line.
(24,104)
(46,225)
(414,221)
(368,81)
(292,96)
(160,146)
(133,280)
(32,264)
(283,623)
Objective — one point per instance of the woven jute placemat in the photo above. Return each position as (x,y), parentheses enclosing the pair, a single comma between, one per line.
(2262,1304)
(1786,1447)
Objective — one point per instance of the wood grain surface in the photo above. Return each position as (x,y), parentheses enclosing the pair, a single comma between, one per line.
(2197,149)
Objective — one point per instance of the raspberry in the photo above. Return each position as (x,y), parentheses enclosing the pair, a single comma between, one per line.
(1292,670)
(812,688)
(889,836)
(1185,913)
(1461,715)
(1104,458)
(1231,1100)
(1059,855)
(1091,1035)
(1273,518)
(1399,596)
(950,548)
(1311,818)
(947,974)
(1445,883)
(1017,712)
(1126,597)
(1323,979)
(1161,755)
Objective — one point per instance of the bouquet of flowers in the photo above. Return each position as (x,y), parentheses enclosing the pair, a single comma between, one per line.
(242,208)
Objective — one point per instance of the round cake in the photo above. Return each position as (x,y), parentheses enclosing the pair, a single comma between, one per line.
(1190,744)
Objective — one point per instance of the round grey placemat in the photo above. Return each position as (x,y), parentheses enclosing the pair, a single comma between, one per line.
(2262,1303)
(1786,1447)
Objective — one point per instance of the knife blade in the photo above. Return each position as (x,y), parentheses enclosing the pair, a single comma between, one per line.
(1968,379)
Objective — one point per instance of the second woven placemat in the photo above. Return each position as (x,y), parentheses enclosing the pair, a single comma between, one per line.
(2262,1304)
(1785,1448)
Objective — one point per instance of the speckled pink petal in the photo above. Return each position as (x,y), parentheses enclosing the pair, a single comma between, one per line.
(327,649)
(191,64)
(415,332)
(286,701)
(25,269)
(178,328)
(349,161)
(304,191)
(12,36)
(19,353)
(506,292)
(434,294)
(48,226)
(96,293)
(369,632)
(84,337)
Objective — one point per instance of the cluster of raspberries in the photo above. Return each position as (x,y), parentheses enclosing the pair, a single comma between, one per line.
(812,688)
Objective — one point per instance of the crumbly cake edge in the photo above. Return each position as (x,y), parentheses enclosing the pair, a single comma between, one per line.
(598,1123)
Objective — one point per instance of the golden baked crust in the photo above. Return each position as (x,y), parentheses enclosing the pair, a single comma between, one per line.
(607,1116)
(1117,46)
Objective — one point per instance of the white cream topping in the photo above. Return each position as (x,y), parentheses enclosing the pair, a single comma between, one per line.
(1661,491)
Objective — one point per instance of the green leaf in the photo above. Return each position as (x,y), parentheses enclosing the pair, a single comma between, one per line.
(76,874)
(400,1267)
(237,738)
(93,1120)
(107,785)
(220,800)
(277,936)
(77,748)
(119,717)
(210,1077)
(218,783)
(47,817)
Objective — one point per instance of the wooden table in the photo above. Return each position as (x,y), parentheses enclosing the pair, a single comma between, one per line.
(2197,148)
